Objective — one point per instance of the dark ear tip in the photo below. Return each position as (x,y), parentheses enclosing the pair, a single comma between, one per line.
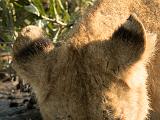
(133,16)
(134,24)
(135,20)
(28,35)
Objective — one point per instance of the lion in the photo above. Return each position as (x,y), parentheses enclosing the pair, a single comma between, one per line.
(106,68)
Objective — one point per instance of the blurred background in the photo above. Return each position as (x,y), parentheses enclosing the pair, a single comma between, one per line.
(54,16)
(17,101)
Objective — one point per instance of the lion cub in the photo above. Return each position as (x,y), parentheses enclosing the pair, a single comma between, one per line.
(88,80)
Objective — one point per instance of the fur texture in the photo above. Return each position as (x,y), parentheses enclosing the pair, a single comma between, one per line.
(100,71)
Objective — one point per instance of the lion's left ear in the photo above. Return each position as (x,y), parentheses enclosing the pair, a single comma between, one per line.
(150,39)
(134,25)
(131,43)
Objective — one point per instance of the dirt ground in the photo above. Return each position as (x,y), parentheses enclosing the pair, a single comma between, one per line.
(17,102)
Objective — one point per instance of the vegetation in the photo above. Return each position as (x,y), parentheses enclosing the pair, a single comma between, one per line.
(54,16)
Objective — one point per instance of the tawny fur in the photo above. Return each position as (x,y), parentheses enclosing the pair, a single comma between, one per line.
(100,71)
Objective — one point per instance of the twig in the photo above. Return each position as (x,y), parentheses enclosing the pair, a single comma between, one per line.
(54,20)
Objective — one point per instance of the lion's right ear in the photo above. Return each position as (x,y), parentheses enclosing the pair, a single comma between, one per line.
(129,42)
(31,42)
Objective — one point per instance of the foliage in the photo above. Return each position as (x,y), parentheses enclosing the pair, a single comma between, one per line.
(54,16)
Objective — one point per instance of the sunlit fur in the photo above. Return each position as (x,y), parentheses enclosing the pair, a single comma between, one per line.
(100,71)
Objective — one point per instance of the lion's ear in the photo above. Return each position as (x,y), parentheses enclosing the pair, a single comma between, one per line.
(31,42)
(129,41)
(135,25)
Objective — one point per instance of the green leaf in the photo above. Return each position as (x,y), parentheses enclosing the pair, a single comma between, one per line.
(32,9)
(51,8)
(38,4)
(61,5)
(55,11)
(7,15)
